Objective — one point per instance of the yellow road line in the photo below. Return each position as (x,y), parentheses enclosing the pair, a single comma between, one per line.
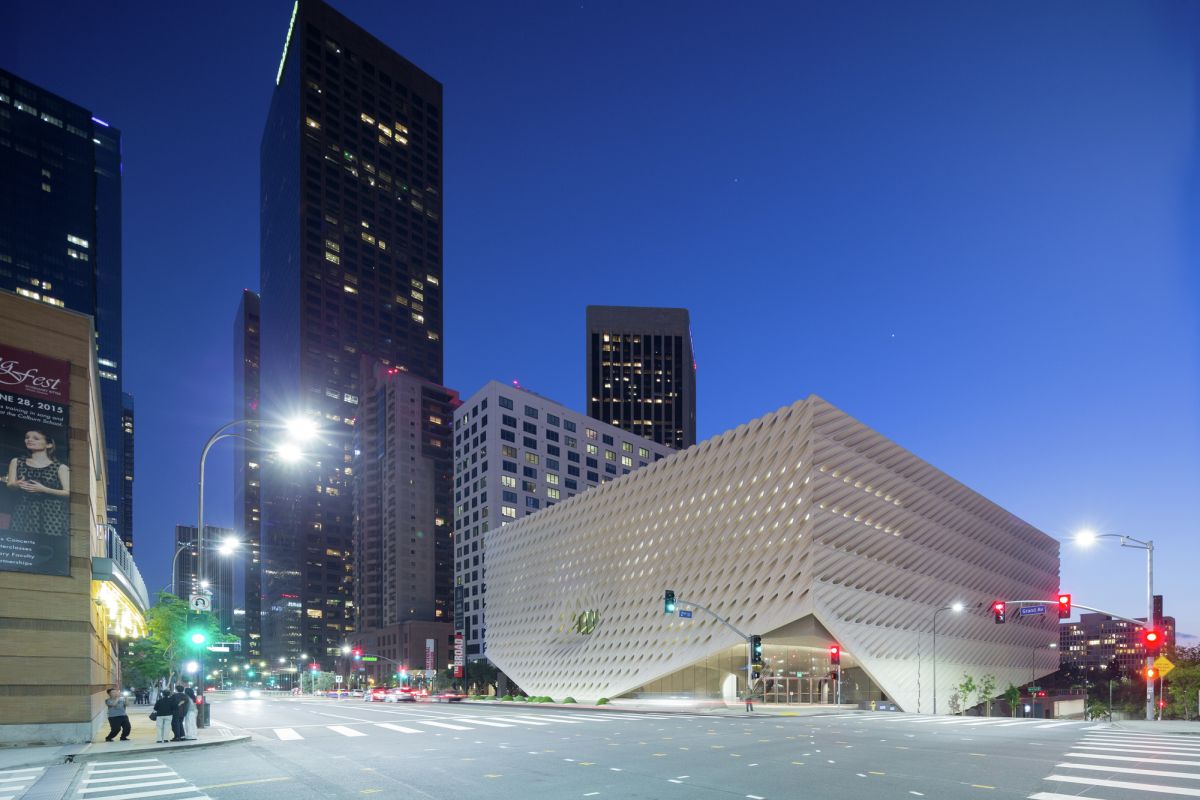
(244,783)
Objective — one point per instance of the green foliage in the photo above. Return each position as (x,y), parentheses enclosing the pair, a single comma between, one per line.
(603,701)
(985,692)
(964,690)
(1097,710)
(1013,695)
(568,700)
(480,676)
(167,645)
(1183,688)
(506,699)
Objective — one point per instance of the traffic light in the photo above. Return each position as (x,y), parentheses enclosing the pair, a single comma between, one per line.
(998,608)
(755,675)
(249,673)
(835,654)
(1151,673)
(1064,606)
(756,656)
(197,637)
(1152,640)
(357,653)
(669,602)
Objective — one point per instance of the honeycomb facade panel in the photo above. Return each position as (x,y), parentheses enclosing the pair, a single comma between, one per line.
(804,526)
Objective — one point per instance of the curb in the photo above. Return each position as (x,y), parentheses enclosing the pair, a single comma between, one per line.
(84,757)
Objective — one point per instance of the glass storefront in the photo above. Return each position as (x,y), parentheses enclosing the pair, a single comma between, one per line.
(791,673)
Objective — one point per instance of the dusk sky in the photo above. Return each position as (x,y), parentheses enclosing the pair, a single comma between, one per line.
(972,226)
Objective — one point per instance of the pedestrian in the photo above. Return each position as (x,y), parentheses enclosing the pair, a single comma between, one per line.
(164,715)
(749,700)
(179,708)
(118,718)
(189,721)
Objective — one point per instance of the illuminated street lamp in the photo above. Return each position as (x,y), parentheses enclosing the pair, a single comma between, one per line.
(957,609)
(1087,538)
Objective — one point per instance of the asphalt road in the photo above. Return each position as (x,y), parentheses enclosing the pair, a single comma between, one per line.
(315,748)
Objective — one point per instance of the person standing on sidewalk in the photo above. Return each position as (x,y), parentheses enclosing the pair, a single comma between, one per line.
(118,718)
(193,711)
(179,708)
(166,713)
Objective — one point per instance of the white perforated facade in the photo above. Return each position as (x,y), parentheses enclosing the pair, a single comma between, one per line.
(804,526)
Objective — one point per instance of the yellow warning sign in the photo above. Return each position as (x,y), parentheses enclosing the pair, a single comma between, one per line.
(1163,665)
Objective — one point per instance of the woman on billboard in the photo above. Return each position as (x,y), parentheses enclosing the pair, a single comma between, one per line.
(44,485)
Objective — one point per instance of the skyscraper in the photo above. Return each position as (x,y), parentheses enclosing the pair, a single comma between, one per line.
(351,265)
(403,509)
(247,468)
(641,373)
(60,236)
(516,452)
(186,579)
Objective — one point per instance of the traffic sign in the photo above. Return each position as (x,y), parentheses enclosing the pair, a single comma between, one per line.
(1035,688)
(200,602)
(370,658)
(1163,665)
(1027,610)
(685,614)
(337,678)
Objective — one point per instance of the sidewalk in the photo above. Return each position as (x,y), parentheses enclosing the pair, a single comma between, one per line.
(1159,726)
(141,740)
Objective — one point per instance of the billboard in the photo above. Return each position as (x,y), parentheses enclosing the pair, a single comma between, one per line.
(35,501)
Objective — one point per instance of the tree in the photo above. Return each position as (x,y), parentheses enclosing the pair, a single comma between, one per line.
(1013,695)
(1183,688)
(985,692)
(169,627)
(480,675)
(963,692)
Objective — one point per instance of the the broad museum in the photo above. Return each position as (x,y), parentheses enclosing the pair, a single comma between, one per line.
(805,527)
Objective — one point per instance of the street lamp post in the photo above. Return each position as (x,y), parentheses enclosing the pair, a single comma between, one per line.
(956,608)
(1087,537)
(226,548)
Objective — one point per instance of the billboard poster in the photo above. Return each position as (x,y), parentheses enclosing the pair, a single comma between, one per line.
(459,654)
(35,502)
(430,655)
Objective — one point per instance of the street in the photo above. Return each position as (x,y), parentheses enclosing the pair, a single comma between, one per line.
(319,748)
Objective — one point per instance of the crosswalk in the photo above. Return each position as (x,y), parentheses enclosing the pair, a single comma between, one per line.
(966,722)
(15,782)
(140,778)
(1113,764)
(458,723)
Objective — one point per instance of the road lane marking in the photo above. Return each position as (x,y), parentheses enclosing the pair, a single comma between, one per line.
(130,761)
(344,731)
(1142,787)
(441,724)
(1138,759)
(521,721)
(125,769)
(391,726)
(287,734)
(489,723)
(23,769)
(1055,724)
(155,793)
(1126,749)
(245,783)
(1126,738)
(553,718)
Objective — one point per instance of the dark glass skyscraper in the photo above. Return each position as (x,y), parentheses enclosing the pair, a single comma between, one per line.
(247,469)
(641,373)
(351,265)
(60,237)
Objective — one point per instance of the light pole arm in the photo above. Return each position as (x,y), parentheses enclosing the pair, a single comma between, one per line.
(714,615)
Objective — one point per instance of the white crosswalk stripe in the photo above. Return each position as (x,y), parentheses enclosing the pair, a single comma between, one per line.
(287,734)
(345,731)
(15,782)
(149,778)
(1118,764)
(437,724)
(398,728)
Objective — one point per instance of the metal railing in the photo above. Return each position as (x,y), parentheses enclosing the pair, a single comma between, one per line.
(123,561)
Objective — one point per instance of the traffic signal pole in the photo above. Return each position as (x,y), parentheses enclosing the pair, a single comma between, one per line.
(728,624)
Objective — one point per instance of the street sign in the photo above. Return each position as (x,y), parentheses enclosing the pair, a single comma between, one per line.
(218,648)
(370,658)
(1035,688)
(337,678)
(200,602)
(1163,665)
(683,612)
(1027,610)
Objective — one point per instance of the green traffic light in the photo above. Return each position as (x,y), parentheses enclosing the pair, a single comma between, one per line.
(198,637)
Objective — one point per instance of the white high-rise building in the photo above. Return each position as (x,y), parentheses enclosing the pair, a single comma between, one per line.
(805,527)
(515,453)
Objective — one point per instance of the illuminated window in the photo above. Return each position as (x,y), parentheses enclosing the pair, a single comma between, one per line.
(419,318)
(532,458)
(508,511)
(553,494)
(593,450)
(609,455)
(591,434)
(76,240)
(643,452)
(627,461)
(508,480)
(366,118)
(627,447)
(349,290)
(332,258)
(432,280)
(312,123)
(551,478)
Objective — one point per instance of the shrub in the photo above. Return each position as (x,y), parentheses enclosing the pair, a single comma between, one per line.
(603,701)
(507,698)
(523,698)
(568,700)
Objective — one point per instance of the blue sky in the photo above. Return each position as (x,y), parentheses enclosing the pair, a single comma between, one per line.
(971,226)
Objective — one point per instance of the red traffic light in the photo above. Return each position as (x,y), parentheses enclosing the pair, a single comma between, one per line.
(1064,606)
(835,654)
(998,608)
(1152,640)
(1041,693)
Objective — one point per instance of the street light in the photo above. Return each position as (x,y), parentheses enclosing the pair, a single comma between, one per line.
(957,609)
(1086,538)
(228,547)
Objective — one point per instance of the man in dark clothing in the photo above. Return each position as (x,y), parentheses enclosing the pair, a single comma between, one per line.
(118,719)
(179,709)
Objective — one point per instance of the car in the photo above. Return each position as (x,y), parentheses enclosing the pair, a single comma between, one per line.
(400,695)
(447,697)
(246,693)
(376,695)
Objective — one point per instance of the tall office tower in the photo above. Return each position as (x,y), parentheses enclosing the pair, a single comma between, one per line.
(351,265)
(127,467)
(403,509)
(219,569)
(641,373)
(516,452)
(60,233)
(247,469)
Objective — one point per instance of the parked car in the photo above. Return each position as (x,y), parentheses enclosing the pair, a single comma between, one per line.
(402,694)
